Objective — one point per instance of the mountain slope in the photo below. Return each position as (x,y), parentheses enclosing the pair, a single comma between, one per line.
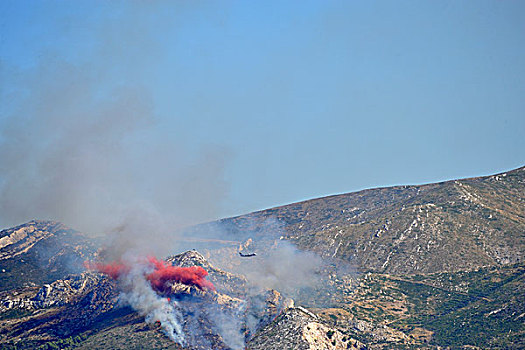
(405,267)
(83,311)
(448,226)
(40,252)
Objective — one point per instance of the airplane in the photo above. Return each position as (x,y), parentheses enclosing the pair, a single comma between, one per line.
(247,255)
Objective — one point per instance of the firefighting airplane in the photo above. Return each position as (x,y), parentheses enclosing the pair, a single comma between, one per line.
(247,255)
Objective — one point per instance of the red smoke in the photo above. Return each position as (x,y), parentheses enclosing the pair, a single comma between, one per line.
(113,270)
(162,276)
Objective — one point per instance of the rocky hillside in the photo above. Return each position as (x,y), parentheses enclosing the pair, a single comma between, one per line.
(298,328)
(40,252)
(83,311)
(442,227)
(415,266)
(409,267)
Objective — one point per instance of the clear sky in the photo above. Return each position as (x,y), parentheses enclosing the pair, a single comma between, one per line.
(266,102)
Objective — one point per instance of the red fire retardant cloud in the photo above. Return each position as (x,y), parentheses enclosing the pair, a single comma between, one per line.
(113,270)
(162,276)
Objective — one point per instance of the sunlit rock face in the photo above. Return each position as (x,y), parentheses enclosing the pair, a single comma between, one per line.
(41,252)
(297,328)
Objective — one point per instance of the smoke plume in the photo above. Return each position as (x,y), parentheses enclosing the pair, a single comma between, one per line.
(83,142)
(142,281)
(279,263)
(138,293)
(283,267)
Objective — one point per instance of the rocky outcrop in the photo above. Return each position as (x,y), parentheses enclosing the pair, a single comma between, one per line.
(297,328)
(40,252)
(226,282)
(58,293)
(228,317)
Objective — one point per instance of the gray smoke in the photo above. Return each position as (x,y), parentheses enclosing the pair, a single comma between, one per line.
(83,143)
(69,154)
(230,324)
(284,268)
(279,263)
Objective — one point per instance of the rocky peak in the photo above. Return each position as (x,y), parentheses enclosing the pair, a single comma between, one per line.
(189,258)
(60,292)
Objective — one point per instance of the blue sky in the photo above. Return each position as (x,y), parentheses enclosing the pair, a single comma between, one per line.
(288,100)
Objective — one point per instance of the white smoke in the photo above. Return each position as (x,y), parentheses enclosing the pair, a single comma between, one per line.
(137,292)
(279,263)
(284,268)
(229,325)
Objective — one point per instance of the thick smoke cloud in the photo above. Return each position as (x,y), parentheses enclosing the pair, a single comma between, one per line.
(284,268)
(279,263)
(69,154)
(82,143)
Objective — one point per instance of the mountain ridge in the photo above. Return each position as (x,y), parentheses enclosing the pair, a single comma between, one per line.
(488,212)
(406,267)
(380,187)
